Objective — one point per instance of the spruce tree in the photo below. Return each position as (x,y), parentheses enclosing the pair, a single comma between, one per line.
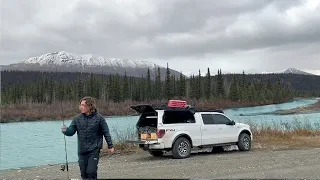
(220,85)
(234,95)
(148,92)
(208,92)
(126,90)
(116,89)
(182,86)
(158,86)
(168,84)
(174,85)
(199,86)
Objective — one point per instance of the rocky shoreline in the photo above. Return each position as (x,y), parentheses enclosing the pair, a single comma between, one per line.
(313,108)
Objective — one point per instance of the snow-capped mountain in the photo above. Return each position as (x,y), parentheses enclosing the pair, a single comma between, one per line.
(294,71)
(70,62)
(289,71)
(66,58)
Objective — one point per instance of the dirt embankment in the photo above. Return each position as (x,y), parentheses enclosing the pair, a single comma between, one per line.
(67,109)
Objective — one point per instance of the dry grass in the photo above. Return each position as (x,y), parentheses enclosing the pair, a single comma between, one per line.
(68,109)
(121,148)
(274,139)
(38,111)
(296,135)
(120,145)
(58,110)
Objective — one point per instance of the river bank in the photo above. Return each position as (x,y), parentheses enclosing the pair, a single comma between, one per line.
(43,142)
(289,148)
(313,108)
(67,109)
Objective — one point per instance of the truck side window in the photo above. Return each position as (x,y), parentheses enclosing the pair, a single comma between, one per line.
(220,119)
(175,117)
(207,118)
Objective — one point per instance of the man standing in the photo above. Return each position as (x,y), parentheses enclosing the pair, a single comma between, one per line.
(90,127)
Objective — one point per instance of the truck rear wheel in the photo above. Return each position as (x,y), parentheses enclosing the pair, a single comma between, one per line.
(244,143)
(181,148)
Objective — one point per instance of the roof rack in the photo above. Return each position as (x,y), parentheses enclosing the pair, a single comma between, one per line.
(159,106)
(180,105)
(215,110)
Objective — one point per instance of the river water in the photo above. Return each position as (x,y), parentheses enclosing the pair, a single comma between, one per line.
(27,144)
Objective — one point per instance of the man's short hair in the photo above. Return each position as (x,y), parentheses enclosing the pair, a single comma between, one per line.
(90,101)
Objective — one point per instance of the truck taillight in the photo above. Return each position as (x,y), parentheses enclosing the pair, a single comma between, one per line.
(161,133)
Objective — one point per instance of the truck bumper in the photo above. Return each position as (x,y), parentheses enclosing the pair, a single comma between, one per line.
(148,144)
(156,146)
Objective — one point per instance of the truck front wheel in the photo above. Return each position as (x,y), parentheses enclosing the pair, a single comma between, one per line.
(181,148)
(244,143)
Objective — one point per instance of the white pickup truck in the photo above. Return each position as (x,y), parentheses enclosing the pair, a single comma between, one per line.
(181,129)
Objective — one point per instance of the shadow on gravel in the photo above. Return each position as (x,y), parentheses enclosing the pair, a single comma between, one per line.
(194,154)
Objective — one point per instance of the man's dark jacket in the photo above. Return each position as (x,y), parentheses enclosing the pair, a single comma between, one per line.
(90,131)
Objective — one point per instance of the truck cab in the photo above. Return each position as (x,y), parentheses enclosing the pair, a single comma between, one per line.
(180,128)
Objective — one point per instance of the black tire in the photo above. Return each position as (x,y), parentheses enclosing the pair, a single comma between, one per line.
(156,153)
(244,143)
(181,148)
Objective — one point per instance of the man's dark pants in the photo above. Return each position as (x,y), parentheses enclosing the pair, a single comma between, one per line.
(88,164)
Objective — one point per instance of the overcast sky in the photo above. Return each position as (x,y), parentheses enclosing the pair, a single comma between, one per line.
(250,35)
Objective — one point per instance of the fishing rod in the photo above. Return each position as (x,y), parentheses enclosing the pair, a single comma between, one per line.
(65,149)
(63,167)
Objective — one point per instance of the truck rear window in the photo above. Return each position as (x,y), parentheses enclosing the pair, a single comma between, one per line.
(175,117)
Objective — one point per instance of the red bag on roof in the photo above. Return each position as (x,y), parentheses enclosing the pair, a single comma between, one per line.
(177,104)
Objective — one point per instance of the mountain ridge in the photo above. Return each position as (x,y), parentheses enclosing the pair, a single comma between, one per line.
(289,71)
(67,58)
(63,61)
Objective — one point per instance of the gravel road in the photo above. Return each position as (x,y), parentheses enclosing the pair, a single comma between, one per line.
(235,164)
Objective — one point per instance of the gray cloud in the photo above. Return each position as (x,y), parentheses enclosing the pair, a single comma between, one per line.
(247,35)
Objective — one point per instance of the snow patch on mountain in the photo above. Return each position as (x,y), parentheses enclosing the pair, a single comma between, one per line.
(67,58)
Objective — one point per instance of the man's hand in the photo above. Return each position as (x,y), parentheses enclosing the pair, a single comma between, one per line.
(64,128)
(110,151)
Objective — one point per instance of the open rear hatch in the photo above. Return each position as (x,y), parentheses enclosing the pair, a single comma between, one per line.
(146,125)
(144,109)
